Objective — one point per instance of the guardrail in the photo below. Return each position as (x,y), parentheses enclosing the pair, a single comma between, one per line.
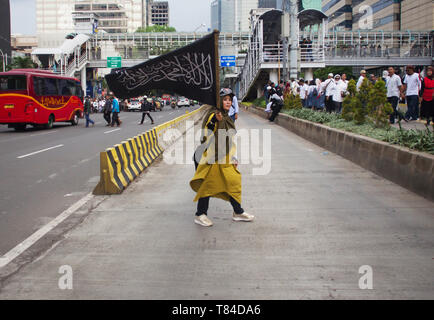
(122,164)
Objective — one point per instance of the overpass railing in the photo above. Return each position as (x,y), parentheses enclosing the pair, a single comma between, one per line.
(378,44)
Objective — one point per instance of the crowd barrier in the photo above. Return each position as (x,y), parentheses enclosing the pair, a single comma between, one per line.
(123,163)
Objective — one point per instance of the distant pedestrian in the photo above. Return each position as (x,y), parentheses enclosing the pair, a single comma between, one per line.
(146,110)
(108,110)
(393,86)
(327,90)
(277,103)
(361,78)
(303,92)
(427,97)
(115,112)
(410,90)
(87,110)
(339,90)
(234,110)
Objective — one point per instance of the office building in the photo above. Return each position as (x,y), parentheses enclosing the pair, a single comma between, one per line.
(340,14)
(387,15)
(22,45)
(232,15)
(158,13)
(5,31)
(417,15)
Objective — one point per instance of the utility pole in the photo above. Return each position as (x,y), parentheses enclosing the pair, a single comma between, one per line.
(293,56)
(290,38)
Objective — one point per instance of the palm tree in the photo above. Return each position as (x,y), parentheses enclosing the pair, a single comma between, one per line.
(22,63)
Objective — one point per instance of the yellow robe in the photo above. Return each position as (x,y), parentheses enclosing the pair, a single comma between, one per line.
(217,180)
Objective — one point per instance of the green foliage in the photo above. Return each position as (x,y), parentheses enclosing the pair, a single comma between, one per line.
(156,28)
(360,111)
(378,107)
(21,63)
(312,115)
(260,102)
(292,102)
(422,140)
(323,73)
(350,103)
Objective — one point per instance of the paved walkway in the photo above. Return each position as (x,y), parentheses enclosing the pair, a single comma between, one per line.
(319,219)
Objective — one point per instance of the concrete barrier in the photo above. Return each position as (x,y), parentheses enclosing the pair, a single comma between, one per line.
(123,163)
(410,169)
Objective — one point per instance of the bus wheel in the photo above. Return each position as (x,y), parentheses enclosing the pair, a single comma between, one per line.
(75,118)
(20,127)
(50,122)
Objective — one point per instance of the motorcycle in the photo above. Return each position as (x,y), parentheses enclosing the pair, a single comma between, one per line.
(173,104)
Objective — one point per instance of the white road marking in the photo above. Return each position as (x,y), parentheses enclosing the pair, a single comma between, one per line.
(36,152)
(23,246)
(44,133)
(113,130)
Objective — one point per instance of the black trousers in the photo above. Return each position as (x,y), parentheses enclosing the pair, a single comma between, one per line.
(144,116)
(107,118)
(394,102)
(203,204)
(276,110)
(115,119)
(329,104)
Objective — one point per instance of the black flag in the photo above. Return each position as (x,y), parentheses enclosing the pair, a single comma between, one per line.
(190,71)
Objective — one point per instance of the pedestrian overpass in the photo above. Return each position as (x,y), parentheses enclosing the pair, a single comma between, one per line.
(317,48)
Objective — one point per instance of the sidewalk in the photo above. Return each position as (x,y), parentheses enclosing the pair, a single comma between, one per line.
(319,219)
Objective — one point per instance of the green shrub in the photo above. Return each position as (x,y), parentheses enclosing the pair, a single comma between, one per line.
(350,103)
(292,102)
(379,108)
(260,102)
(360,111)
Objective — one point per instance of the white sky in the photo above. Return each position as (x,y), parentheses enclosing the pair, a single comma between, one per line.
(185,15)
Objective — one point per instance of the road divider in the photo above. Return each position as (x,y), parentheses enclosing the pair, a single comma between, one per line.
(123,163)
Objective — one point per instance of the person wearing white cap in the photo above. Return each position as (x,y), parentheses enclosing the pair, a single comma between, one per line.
(361,78)
(338,89)
(327,90)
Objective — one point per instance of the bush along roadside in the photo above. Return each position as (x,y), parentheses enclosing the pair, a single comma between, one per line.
(420,140)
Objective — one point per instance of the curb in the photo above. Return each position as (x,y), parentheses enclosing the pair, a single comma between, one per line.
(410,169)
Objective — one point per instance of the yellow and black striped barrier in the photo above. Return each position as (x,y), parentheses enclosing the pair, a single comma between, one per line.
(124,162)
(121,164)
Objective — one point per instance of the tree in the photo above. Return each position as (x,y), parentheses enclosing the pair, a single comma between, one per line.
(351,102)
(323,73)
(378,107)
(22,63)
(363,96)
(156,28)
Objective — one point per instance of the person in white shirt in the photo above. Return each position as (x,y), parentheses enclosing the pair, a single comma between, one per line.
(234,110)
(361,78)
(295,87)
(303,92)
(339,89)
(410,91)
(393,86)
(327,90)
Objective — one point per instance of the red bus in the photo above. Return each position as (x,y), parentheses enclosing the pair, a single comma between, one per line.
(39,98)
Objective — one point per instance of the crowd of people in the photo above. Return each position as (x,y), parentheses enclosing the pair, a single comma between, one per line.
(328,94)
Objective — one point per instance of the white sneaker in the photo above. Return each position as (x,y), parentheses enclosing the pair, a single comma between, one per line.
(243,217)
(203,220)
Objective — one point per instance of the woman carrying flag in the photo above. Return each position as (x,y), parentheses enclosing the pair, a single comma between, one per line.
(216,174)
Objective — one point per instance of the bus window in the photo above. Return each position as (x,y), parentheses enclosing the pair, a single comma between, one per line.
(45,86)
(13,83)
(65,89)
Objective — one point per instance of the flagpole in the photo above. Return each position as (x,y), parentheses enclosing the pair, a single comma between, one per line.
(217,66)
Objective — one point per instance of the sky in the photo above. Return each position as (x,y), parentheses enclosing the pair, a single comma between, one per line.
(184,15)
